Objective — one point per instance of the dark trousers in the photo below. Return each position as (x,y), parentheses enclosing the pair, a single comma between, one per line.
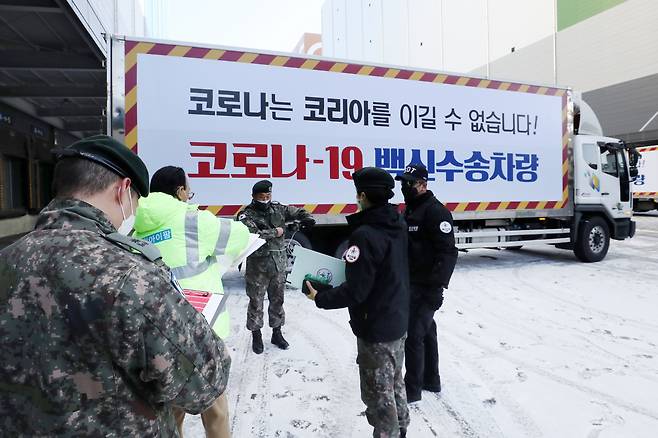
(421,348)
(262,276)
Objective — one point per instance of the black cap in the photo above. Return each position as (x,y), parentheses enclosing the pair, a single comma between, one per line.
(111,154)
(413,172)
(263,186)
(372,178)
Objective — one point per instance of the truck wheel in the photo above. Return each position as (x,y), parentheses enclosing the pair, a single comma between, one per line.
(593,240)
(298,239)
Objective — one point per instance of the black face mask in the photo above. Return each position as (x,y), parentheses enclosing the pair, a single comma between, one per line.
(262,205)
(409,192)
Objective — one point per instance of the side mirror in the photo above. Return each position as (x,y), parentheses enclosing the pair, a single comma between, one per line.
(632,171)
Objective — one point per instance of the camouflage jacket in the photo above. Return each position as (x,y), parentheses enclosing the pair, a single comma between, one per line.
(95,338)
(264,221)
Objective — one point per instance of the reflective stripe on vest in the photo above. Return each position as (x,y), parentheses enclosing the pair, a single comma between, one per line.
(224,234)
(195,267)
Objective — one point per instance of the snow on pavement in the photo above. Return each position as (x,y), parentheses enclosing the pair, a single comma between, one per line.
(532,343)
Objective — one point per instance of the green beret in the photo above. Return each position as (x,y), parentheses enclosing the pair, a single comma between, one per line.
(372,178)
(113,155)
(263,186)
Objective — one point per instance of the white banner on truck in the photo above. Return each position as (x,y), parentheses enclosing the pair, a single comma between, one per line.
(230,124)
(647,169)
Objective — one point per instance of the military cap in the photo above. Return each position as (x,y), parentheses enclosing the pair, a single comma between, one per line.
(413,172)
(263,186)
(372,178)
(111,154)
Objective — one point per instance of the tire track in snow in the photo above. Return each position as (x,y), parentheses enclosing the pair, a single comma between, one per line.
(537,286)
(342,387)
(520,417)
(554,377)
(516,327)
(251,365)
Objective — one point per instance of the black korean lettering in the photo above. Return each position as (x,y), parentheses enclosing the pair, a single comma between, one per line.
(261,106)
(229,103)
(315,107)
(202,98)
(337,110)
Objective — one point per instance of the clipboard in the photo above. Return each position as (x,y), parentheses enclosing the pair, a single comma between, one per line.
(210,305)
(254,243)
(311,262)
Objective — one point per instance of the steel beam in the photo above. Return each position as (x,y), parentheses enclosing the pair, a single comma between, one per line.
(37,91)
(65,111)
(40,6)
(86,125)
(39,60)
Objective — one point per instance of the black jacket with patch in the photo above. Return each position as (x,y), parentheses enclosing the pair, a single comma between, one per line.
(432,251)
(376,289)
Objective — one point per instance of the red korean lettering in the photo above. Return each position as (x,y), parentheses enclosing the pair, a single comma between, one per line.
(300,162)
(217,160)
(245,160)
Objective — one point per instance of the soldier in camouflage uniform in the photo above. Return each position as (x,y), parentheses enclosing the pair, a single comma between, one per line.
(266,268)
(96,339)
(376,292)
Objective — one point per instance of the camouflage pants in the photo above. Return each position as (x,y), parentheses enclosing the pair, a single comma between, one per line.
(382,386)
(262,276)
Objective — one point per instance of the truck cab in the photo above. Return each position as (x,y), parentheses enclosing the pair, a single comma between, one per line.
(603,198)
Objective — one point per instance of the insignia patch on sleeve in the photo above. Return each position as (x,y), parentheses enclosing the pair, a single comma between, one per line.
(445,227)
(242,216)
(352,254)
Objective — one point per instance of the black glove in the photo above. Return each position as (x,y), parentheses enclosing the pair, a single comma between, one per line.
(434,299)
(317,285)
(293,226)
(307,224)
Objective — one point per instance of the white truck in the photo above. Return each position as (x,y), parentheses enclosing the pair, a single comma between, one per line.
(517,164)
(645,185)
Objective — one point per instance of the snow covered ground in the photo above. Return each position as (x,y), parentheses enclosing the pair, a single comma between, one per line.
(533,344)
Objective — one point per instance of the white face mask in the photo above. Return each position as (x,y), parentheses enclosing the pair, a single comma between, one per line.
(128,222)
(127,225)
(263,202)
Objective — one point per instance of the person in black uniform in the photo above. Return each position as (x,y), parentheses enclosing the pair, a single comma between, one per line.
(432,259)
(376,291)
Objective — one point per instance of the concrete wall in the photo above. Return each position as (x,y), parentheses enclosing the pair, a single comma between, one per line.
(533,64)
(614,46)
(398,32)
(437,34)
(571,12)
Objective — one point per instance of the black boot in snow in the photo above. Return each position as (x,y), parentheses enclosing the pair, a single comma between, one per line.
(278,340)
(257,342)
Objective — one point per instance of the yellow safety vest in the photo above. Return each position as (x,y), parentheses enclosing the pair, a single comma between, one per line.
(197,246)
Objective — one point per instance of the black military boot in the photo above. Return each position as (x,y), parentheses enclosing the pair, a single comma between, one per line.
(278,340)
(257,342)
(403,432)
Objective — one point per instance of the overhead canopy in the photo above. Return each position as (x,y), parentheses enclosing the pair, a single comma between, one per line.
(50,66)
(628,110)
